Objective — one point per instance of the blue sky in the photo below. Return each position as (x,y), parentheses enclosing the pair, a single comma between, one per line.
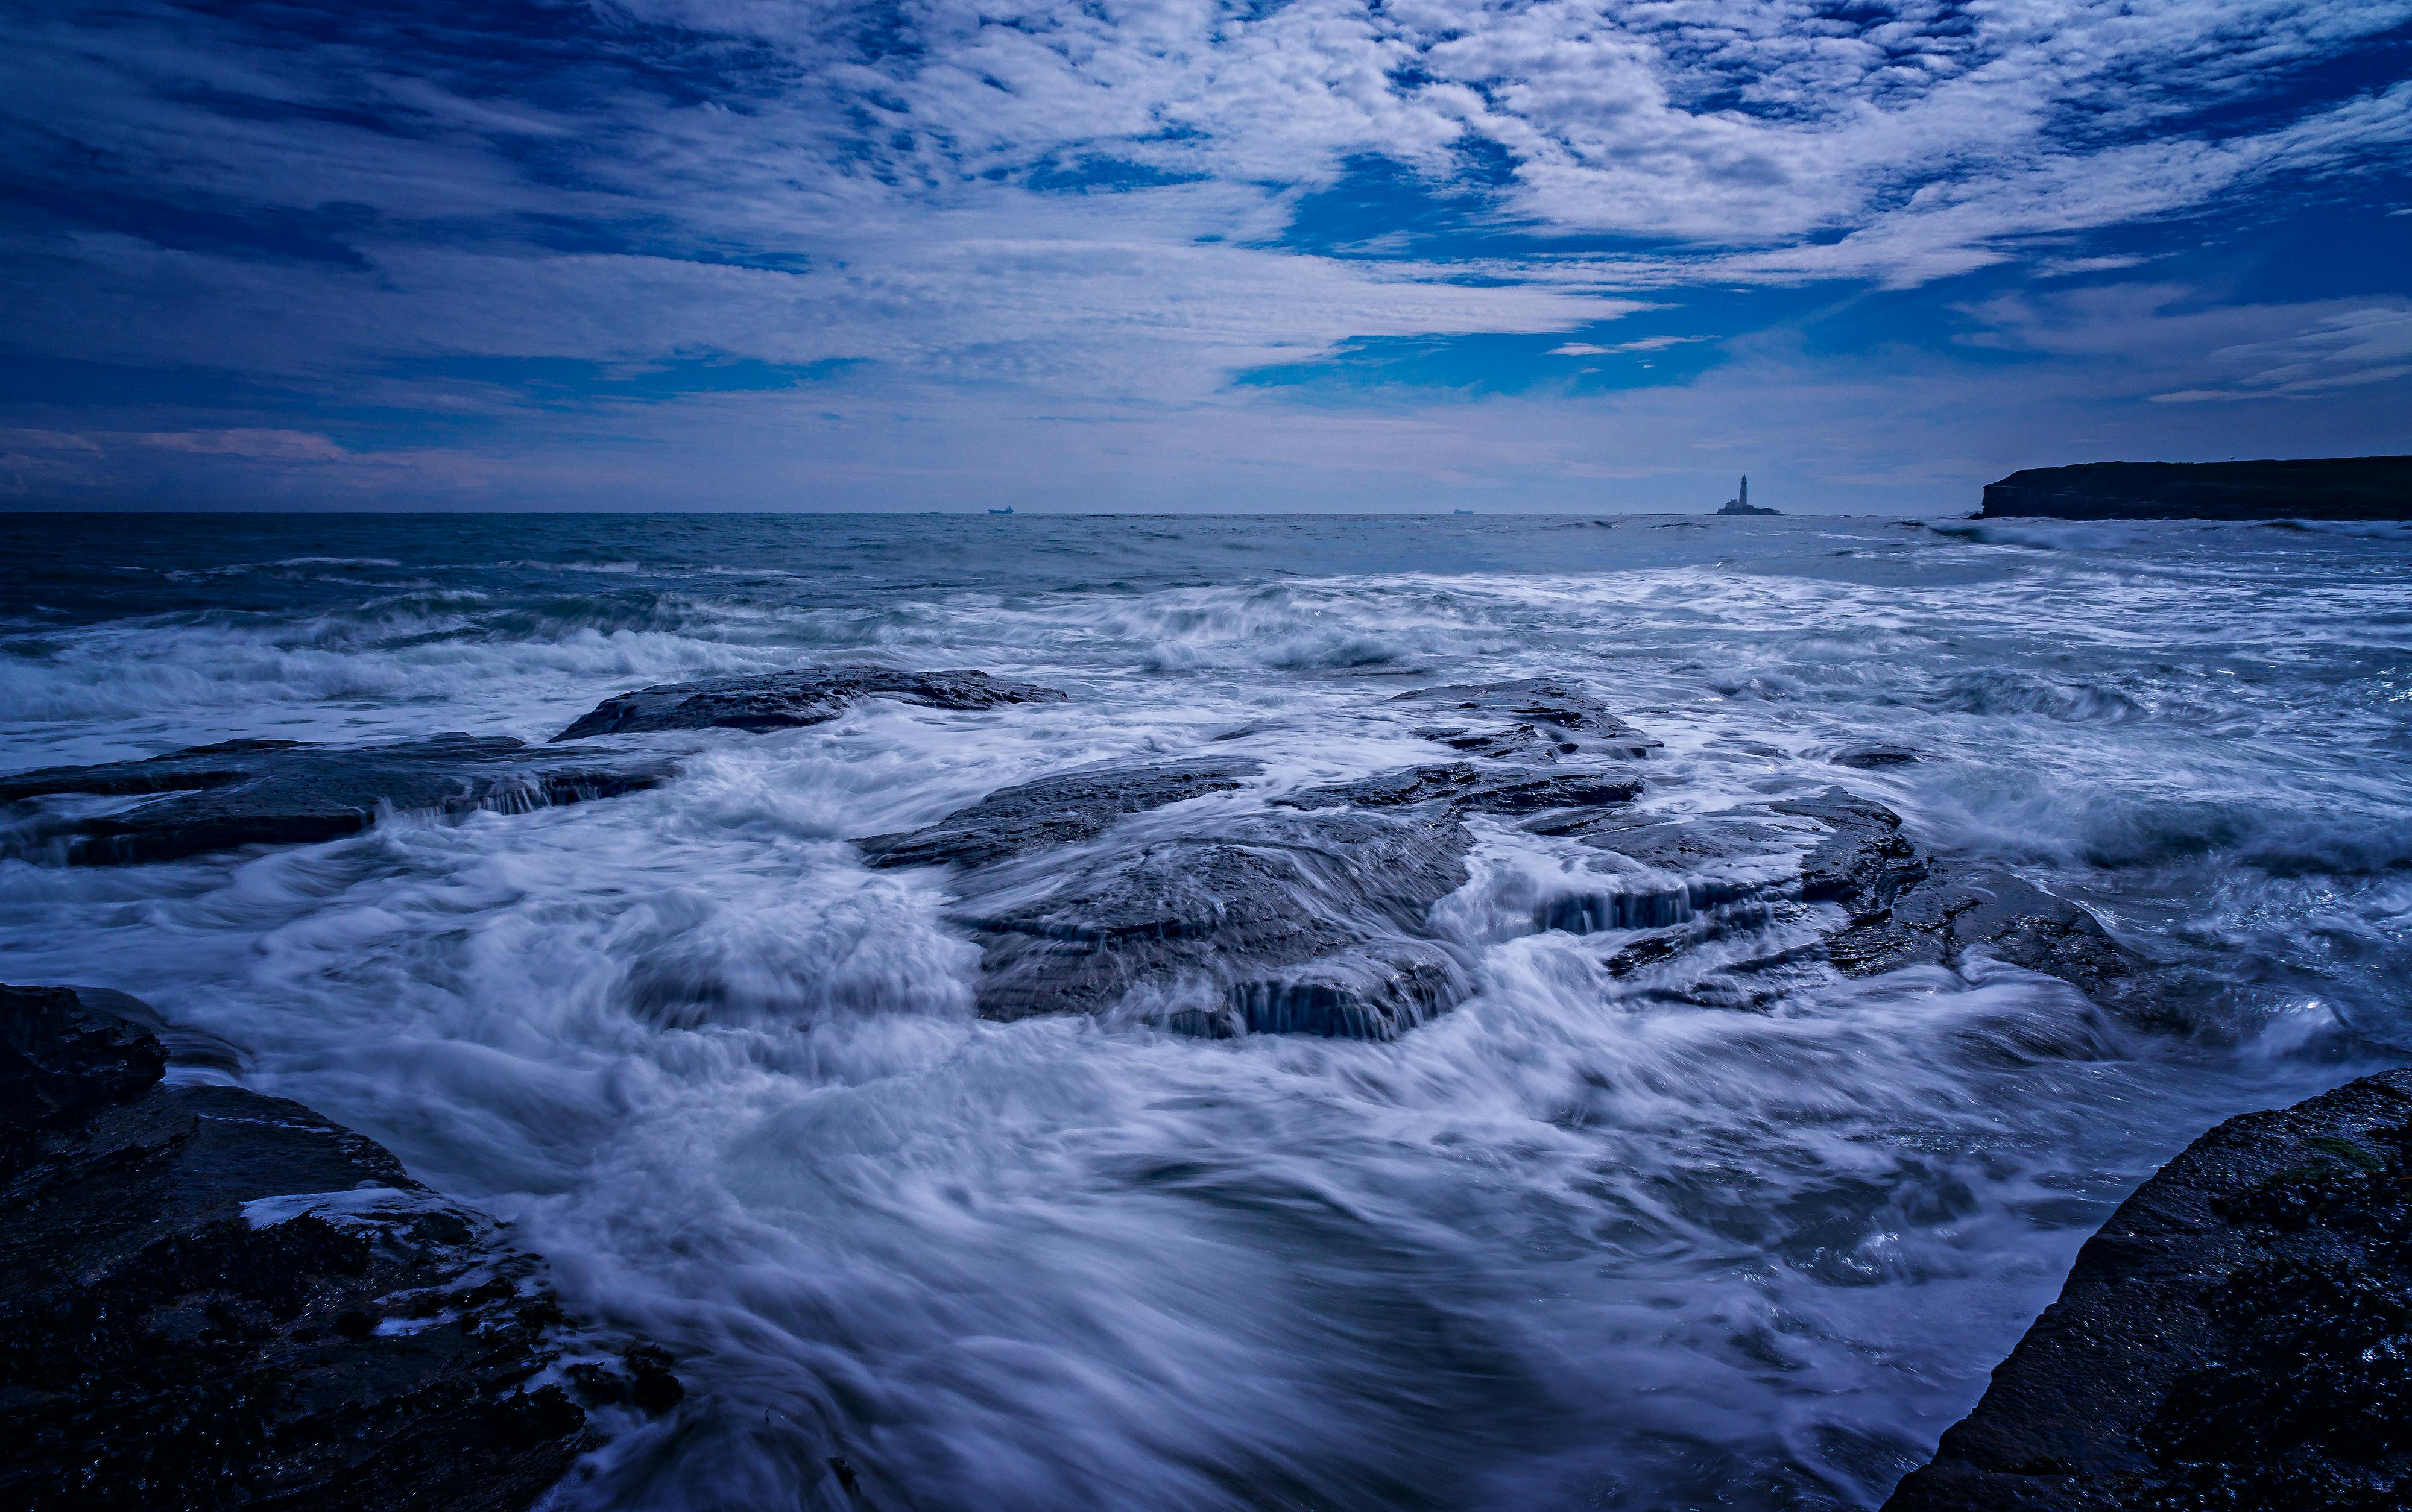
(1183,255)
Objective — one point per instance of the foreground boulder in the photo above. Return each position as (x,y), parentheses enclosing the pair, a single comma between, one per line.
(2238,1335)
(782,700)
(214,1298)
(2313,488)
(289,793)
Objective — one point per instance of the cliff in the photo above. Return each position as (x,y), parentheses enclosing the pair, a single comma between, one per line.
(2316,487)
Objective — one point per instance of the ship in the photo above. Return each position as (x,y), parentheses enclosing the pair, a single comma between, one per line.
(1740,503)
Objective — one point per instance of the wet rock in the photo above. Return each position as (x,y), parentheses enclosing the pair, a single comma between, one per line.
(213,1298)
(287,793)
(1561,714)
(1864,863)
(1908,908)
(1463,787)
(1053,810)
(2238,1335)
(1306,922)
(807,695)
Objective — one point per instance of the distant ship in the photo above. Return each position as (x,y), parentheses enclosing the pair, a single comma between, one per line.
(1008,509)
(1463,511)
(1740,503)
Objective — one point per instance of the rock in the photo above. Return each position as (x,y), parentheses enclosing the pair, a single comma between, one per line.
(215,1298)
(2238,1335)
(807,695)
(1560,715)
(1864,863)
(1463,787)
(1906,908)
(2313,488)
(286,793)
(1300,923)
(1053,810)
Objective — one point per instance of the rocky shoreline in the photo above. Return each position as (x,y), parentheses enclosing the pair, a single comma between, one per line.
(215,1298)
(229,1288)
(2238,1335)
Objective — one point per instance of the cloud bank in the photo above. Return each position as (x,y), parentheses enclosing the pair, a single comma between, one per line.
(794,254)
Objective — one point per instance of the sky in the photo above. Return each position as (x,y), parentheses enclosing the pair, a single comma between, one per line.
(1172,255)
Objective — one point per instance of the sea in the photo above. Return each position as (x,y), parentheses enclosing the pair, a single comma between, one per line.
(1582,1242)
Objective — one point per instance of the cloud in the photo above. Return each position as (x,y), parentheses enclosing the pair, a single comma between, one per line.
(254,445)
(334,220)
(1642,344)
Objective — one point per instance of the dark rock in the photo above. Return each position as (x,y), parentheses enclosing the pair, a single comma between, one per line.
(1053,810)
(1285,922)
(1864,863)
(1463,787)
(807,695)
(2238,1335)
(1510,742)
(1906,908)
(1562,714)
(2316,487)
(285,793)
(213,1298)
(1869,756)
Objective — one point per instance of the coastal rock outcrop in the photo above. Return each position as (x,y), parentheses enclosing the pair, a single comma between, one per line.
(215,1298)
(289,792)
(1902,906)
(2313,488)
(2238,1335)
(1311,923)
(1308,916)
(782,700)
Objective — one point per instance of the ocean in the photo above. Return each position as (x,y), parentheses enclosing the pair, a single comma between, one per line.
(1588,1241)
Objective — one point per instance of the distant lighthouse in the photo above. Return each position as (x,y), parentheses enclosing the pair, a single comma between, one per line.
(1740,503)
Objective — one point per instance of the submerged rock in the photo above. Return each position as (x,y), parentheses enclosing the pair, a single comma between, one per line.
(215,1298)
(287,793)
(781,701)
(1294,923)
(1906,908)
(1053,810)
(2238,1335)
(1561,716)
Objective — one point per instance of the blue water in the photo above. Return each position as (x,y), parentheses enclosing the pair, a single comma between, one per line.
(1579,1243)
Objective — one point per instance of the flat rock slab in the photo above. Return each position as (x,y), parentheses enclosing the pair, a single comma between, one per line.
(1293,923)
(782,700)
(1053,810)
(288,793)
(2235,1336)
(215,1298)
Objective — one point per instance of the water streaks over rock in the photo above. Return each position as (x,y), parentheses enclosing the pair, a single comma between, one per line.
(1053,810)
